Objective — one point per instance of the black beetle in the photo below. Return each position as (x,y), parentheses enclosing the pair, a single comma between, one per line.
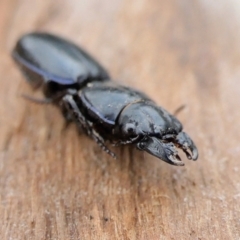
(71,79)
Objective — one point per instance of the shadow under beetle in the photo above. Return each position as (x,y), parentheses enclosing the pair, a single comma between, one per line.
(106,111)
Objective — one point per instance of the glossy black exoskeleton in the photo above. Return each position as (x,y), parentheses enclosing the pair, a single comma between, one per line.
(105,110)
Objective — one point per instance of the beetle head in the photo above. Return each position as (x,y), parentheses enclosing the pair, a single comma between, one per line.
(148,128)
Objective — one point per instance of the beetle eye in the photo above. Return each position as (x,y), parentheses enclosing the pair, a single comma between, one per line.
(129,129)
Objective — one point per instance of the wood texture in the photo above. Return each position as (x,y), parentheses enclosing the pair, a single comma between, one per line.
(55,184)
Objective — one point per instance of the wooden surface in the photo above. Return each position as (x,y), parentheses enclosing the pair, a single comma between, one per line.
(55,184)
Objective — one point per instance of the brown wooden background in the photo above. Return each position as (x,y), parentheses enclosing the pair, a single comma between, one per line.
(55,184)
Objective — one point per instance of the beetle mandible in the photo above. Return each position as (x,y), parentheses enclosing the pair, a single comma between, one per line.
(107,111)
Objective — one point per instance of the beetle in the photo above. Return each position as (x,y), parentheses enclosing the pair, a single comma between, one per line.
(75,82)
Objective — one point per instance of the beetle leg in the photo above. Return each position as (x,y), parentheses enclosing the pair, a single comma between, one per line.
(54,99)
(179,109)
(71,105)
(98,139)
(37,100)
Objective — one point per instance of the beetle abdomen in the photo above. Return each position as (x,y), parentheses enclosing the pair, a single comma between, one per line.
(57,60)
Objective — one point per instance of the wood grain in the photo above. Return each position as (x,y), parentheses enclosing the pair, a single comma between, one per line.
(55,184)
